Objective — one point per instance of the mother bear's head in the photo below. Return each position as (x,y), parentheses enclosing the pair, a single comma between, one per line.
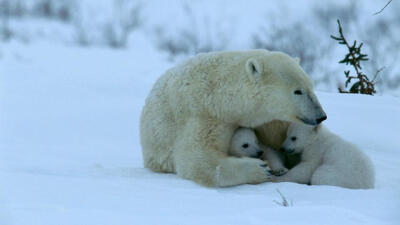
(262,86)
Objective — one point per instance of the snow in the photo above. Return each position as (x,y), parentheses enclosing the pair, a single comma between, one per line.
(70,152)
(69,137)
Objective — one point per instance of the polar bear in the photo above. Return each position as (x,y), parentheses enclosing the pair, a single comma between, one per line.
(193,109)
(244,143)
(326,159)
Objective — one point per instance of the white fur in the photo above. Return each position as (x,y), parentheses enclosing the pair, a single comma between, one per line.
(275,159)
(193,109)
(326,159)
(244,143)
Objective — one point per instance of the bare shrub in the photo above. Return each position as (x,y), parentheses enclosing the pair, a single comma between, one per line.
(126,18)
(294,39)
(81,36)
(5,13)
(326,14)
(53,9)
(112,30)
(60,10)
(188,40)
(12,9)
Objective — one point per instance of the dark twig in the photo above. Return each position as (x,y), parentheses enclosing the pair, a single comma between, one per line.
(383,8)
(285,202)
(376,73)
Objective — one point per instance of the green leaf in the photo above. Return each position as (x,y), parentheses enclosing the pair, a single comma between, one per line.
(336,38)
(354,44)
(347,82)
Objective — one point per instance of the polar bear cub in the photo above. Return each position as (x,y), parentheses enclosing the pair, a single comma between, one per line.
(244,143)
(326,159)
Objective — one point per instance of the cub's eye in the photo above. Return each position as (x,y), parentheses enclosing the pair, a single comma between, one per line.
(245,145)
(298,92)
(293,138)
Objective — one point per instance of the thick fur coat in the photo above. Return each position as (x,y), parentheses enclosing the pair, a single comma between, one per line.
(193,109)
(326,159)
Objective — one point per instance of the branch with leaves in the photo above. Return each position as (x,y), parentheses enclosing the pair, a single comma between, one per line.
(363,85)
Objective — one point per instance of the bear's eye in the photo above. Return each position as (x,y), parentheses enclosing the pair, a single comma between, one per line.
(293,138)
(298,92)
(245,145)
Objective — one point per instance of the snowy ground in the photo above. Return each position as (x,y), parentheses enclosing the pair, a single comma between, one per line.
(70,152)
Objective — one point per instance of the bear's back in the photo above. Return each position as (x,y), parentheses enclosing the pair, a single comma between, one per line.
(192,81)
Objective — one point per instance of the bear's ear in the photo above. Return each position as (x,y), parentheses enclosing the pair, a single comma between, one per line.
(297,59)
(254,68)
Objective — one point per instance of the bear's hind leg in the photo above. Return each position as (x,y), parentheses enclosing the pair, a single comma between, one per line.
(200,155)
(328,175)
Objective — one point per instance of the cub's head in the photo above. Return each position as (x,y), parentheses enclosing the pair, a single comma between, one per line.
(277,89)
(244,143)
(299,137)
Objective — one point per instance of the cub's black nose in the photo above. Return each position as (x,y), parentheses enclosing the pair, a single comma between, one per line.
(319,120)
(259,153)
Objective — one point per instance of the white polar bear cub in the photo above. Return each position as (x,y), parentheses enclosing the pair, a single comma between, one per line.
(244,143)
(326,159)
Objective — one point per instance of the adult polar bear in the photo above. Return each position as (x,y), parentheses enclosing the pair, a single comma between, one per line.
(193,109)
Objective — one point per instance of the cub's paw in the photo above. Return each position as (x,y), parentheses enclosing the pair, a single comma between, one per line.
(268,172)
(280,172)
(255,170)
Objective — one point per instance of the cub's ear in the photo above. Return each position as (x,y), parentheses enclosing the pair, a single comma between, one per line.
(297,59)
(254,68)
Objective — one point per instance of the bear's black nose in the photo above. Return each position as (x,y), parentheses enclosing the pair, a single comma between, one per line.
(319,120)
(259,153)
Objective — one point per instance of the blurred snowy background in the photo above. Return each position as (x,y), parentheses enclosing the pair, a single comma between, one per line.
(179,29)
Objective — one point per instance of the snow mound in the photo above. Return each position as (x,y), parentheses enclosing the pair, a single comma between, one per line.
(70,152)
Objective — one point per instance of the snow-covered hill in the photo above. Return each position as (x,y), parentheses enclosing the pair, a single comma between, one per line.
(70,152)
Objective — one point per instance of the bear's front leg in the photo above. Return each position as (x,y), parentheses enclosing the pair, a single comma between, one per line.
(275,160)
(200,154)
(301,173)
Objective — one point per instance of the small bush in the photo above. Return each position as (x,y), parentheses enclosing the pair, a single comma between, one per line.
(363,85)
